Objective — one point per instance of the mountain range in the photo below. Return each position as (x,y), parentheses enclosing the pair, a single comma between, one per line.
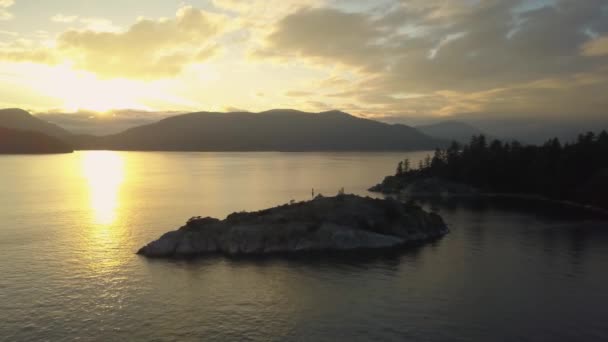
(20,119)
(451,130)
(525,128)
(274,130)
(14,141)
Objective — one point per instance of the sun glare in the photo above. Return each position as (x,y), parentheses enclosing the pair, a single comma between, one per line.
(104,173)
(80,90)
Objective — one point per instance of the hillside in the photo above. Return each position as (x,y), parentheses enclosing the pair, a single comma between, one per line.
(575,172)
(275,130)
(20,119)
(26,142)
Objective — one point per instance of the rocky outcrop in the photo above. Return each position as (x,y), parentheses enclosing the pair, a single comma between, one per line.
(430,186)
(344,222)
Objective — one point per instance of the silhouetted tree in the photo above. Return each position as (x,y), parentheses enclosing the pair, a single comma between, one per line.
(406,165)
(427,162)
(399,169)
(576,171)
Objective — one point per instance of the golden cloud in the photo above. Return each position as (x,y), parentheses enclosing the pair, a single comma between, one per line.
(324,35)
(61,18)
(4,4)
(149,49)
(596,47)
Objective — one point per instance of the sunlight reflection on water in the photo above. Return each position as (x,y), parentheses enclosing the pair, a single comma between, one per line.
(104,172)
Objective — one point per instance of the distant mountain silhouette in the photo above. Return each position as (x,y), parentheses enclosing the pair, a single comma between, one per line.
(526,128)
(21,132)
(19,119)
(27,142)
(451,130)
(114,122)
(274,130)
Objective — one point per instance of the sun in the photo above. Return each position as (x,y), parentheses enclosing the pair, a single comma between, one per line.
(81,90)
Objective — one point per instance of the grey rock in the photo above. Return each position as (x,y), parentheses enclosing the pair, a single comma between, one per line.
(344,222)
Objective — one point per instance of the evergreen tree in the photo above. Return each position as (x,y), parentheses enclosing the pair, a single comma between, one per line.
(427,162)
(574,171)
(406,165)
(399,169)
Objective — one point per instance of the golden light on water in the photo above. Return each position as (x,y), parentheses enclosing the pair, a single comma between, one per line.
(104,172)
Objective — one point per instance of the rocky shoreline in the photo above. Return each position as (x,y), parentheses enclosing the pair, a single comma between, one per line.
(433,187)
(340,223)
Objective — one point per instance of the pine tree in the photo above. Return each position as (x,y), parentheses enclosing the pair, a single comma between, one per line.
(427,161)
(399,171)
(575,171)
(406,165)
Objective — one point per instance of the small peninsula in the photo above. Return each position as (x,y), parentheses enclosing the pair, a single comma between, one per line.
(573,172)
(340,223)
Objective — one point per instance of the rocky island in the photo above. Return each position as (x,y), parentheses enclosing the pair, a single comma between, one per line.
(340,223)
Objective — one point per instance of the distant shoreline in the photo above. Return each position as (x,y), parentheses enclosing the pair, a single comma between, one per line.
(241,151)
(536,197)
(588,207)
(226,151)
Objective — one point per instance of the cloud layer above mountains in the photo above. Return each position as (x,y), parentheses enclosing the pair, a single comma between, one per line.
(390,58)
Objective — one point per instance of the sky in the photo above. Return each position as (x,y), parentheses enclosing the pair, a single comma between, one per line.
(379,59)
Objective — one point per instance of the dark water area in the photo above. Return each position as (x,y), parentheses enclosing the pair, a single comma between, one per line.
(510,269)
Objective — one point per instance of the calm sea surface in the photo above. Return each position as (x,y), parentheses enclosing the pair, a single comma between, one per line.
(70,225)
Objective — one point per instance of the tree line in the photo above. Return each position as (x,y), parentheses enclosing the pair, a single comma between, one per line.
(576,171)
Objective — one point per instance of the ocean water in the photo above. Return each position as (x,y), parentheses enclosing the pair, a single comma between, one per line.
(510,270)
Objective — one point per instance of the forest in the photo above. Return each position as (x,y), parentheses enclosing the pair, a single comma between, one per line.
(576,171)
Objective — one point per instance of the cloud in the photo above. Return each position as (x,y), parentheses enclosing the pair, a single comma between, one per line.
(319,105)
(60,18)
(4,13)
(389,57)
(84,122)
(91,24)
(455,56)
(260,12)
(298,93)
(25,50)
(325,34)
(150,49)
(232,109)
(596,47)
(99,25)
(9,33)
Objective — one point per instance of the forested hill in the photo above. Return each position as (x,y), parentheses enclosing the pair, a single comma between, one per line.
(574,171)
(14,141)
(275,130)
